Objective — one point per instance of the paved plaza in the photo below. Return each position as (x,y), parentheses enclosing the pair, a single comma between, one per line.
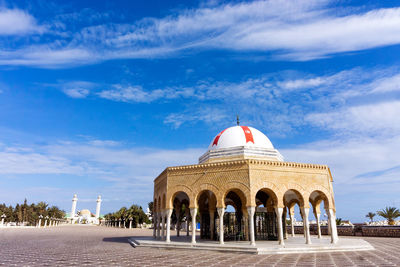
(101,246)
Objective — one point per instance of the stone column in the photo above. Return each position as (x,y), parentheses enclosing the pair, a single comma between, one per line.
(40,222)
(45,223)
(98,208)
(178,220)
(158,225)
(168,214)
(251,211)
(306,224)
(332,222)
(284,223)
(154,224)
(73,208)
(329,223)
(279,212)
(292,223)
(212,226)
(317,216)
(221,212)
(246,226)
(187,221)
(193,213)
(163,225)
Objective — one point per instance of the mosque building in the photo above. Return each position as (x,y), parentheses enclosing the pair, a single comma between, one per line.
(242,169)
(84,216)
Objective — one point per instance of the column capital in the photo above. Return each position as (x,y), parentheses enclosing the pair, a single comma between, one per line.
(193,211)
(251,210)
(168,212)
(279,210)
(220,211)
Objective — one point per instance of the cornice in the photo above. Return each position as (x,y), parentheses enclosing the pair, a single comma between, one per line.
(248,161)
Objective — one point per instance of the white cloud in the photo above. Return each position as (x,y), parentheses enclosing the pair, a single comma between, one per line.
(131,94)
(376,118)
(18,22)
(77,92)
(37,163)
(386,84)
(205,114)
(301,83)
(325,35)
(300,30)
(138,94)
(76,89)
(106,159)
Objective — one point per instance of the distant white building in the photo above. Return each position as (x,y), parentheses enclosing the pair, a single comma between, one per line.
(84,216)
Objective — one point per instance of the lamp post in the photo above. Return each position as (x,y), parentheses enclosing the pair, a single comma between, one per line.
(2,219)
(130,222)
(45,221)
(40,220)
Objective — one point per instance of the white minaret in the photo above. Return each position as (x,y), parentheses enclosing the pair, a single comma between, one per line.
(73,209)
(98,207)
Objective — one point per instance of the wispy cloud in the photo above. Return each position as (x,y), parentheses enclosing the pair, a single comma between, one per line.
(374,119)
(300,30)
(77,89)
(18,22)
(339,102)
(106,159)
(208,115)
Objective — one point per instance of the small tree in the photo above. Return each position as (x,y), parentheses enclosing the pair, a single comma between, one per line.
(339,221)
(371,216)
(389,213)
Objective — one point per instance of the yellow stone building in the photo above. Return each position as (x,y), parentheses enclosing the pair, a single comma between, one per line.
(241,168)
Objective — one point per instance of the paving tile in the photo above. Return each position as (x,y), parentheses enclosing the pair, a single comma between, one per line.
(103,246)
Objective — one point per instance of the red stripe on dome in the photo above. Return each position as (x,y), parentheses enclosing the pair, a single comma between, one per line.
(248,134)
(217,138)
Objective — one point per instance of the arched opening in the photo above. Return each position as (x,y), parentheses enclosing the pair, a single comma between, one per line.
(234,221)
(321,218)
(207,201)
(294,203)
(181,213)
(265,219)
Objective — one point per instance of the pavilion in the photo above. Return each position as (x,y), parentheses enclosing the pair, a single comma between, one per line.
(242,168)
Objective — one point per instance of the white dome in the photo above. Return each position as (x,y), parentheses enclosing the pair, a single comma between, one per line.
(240,142)
(240,136)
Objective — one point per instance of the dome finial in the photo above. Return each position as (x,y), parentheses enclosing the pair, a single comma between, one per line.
(237,120)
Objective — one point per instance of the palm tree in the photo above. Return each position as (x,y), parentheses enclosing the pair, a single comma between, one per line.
(389,213)
(371,216)
(339,221)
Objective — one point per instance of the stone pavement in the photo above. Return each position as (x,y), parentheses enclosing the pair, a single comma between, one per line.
(101,246)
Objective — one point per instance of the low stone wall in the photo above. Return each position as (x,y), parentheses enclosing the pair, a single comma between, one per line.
(386,231)
(358,230)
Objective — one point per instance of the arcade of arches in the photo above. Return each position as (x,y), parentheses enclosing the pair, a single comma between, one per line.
(263,192)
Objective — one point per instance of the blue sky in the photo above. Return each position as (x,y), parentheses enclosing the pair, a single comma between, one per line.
(99,97)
